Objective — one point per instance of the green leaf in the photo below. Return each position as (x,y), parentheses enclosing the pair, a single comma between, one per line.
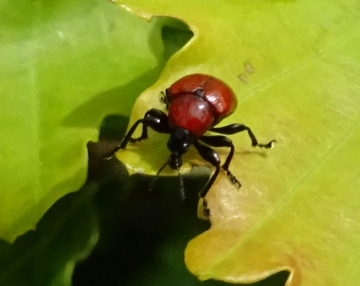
(143,234)
(47,256)
(65,65)
(295,67)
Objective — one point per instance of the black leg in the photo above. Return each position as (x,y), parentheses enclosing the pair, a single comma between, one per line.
(236,128)
(154,118)
(213,158)
(223,141)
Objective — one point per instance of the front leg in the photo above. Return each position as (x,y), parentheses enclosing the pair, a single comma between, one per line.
(213,158)
(223,141)
(154,118)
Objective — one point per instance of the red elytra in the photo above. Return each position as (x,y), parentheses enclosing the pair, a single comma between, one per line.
(198,102)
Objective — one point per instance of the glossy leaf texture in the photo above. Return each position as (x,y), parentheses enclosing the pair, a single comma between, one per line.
(295,67)
(65,65)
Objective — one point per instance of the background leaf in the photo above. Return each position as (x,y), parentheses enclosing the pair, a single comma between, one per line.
(47,256)
(143,234)
(64,67)
(295,67)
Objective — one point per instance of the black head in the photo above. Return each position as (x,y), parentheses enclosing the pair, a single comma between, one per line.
(178,144)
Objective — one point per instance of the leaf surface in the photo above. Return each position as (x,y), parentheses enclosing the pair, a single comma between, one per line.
(47,256)
(295,67)
(64,67)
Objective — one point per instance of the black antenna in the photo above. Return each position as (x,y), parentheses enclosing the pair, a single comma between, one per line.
(152,183)
(182,189)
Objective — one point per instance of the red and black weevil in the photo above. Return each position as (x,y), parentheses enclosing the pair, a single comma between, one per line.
(195,104)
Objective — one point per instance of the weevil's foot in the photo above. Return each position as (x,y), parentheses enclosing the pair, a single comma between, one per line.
(268,145)
(203,210)
(109,155)
(134,140)
(233,179)
(206,213)
(206,210)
